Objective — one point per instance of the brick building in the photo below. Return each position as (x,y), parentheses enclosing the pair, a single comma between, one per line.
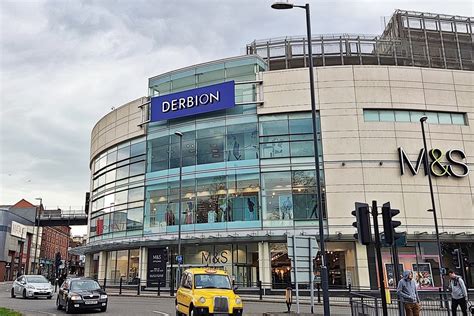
(55,239)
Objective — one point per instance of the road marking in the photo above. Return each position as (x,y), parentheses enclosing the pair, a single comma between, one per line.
(164,314)
(46,313)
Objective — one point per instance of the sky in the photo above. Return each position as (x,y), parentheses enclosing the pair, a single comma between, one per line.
(65,64)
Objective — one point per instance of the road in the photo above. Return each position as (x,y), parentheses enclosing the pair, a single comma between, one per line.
(139,305)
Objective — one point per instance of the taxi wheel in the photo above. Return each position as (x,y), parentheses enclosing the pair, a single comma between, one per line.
(13,294)
(49,297)
(191,311)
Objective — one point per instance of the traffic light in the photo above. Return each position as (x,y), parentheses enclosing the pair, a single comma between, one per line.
(389,224)
(57,260)
(456,258)
(362,223)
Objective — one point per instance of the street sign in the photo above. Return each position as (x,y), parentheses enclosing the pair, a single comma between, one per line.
(179,259)
(302,251)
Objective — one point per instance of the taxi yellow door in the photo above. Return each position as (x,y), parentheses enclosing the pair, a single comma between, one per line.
(184,295)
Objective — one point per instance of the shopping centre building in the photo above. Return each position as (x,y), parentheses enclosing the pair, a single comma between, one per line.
(248,172)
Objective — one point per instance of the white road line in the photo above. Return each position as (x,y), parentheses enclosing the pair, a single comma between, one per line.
(46,313)
(164,314)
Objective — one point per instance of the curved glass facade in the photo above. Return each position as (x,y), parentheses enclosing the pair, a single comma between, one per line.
(240,170)
(117,198)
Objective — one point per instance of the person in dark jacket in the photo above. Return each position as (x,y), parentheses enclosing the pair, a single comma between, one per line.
(458,293)
(408,294)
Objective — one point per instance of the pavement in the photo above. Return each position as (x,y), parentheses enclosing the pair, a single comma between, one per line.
(129,304)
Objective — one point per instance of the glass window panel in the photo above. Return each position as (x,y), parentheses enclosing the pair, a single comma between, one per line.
(136,194)
(93,226)
(110,176)
(239,71)
(242,142)
(112,273)
(402,116)
(302,149)
(274,128)
(432,117)
(210,150)
(458,118)
(416,115)
(119,221)
(301,126)
(444,118)
(122,265)
(112,157)
(121,197)
(123,153)
(305,206)
(122,172)
(106,223)
(275,150)
(135,219)
(371,116)
(138,149)
(137,168)
(387,116)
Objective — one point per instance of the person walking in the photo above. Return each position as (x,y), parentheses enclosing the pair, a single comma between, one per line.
(408,294)
(458,293)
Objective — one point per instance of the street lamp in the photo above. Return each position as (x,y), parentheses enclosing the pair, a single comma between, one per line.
(433,206)
(37,232)
(180,135)
(324,271)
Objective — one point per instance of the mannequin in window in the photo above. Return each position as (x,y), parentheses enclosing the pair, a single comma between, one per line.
(315,210)
(286,209)
(169,216)
(251,206)
(188,219)
(211,216)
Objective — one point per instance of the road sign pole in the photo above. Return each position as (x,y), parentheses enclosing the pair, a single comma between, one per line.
(311,273)
(295,271)
(379,258)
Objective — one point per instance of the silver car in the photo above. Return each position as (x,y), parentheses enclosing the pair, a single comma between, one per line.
(32,286)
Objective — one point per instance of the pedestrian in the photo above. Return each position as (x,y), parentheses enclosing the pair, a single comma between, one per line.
(288,297)
(408,294)
(458,293)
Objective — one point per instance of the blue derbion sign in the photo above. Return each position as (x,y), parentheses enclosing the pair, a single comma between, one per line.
(195,101)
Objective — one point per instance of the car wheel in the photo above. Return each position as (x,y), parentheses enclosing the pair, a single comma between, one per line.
(191,311)
(67,308)
(49,297)
(24,293)
(103,309)
(13,293)
(58,304)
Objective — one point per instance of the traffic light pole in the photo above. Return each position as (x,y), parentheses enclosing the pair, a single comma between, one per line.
(379,258)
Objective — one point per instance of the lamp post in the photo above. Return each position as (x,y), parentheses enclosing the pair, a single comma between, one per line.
(37,232)
(433,205)
(180,135)
(324,271)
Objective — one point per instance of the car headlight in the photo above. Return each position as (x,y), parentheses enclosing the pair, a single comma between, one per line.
(238,301)
(75,298)
(103,296)
(202,300)
(29,286)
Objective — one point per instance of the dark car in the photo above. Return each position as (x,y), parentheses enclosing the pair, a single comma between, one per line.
(81,293)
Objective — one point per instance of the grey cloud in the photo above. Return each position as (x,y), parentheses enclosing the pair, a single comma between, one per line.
(64,64)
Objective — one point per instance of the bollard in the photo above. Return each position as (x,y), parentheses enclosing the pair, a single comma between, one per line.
(159,288)
(55,285)
(120,288)
(171,284)
(260,290)
(105,281)
(138,287)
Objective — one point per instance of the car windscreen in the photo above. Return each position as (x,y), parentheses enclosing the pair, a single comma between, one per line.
(36,279)
(84,285)
(211,281)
